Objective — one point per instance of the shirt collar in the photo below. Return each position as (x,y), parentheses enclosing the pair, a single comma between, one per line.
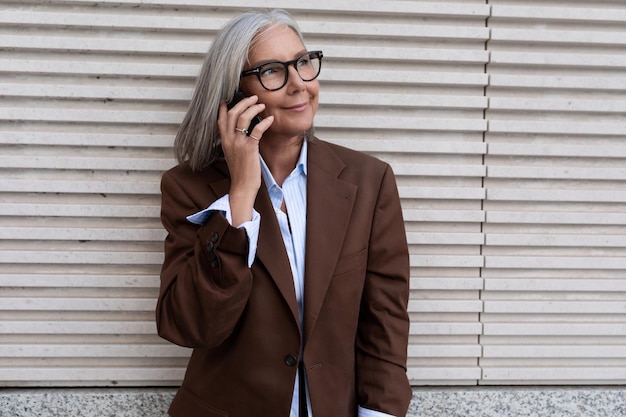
(301,166)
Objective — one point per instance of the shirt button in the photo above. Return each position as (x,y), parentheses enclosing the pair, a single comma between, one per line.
(291,360)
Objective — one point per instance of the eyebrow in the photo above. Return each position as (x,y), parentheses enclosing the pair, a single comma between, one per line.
(269,61)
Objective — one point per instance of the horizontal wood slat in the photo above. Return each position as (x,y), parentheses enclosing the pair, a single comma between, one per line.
(93,350)
(42,280)
(392,7)
(551,329)
(65,327)
(561,284)
(555,13)
(98,376)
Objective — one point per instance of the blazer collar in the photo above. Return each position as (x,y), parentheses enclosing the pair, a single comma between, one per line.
(330,201)
(271,251)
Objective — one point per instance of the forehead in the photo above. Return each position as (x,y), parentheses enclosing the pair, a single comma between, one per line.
(275,43)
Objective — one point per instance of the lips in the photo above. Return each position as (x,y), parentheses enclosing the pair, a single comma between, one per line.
(299,107)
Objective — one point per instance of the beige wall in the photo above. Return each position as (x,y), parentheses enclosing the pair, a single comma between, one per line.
(504,123)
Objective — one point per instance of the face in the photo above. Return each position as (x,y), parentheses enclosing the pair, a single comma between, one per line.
(294,105)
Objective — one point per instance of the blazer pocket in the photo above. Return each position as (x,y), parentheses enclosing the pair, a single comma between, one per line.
(352,262)
(190,404)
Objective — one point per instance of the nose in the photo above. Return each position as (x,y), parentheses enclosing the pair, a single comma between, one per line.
(294,81)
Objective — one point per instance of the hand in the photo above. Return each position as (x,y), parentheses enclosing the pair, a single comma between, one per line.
(242,154)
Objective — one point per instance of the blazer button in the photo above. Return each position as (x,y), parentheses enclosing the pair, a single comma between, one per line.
(291,360)
(209,246)
(214,237)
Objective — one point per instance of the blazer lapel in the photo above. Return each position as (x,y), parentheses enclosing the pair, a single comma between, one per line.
(329,206)
(271,250)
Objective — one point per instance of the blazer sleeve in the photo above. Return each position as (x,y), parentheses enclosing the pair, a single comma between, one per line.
(205,279)
(383,328)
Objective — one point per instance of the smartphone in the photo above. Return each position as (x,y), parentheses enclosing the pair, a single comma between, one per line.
(236,99)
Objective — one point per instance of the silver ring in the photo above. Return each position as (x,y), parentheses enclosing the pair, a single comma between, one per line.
(254,137)
(242,131)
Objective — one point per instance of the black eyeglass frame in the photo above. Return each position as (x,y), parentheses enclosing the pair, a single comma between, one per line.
(257,70)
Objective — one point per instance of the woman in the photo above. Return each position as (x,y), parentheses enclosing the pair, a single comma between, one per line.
(277,330)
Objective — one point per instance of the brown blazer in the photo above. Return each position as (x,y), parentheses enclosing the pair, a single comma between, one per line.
(243,322)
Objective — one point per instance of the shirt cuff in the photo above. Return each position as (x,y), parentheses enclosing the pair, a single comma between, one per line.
(366,412)
(251,227)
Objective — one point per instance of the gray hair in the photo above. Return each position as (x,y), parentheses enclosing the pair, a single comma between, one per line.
(197,140)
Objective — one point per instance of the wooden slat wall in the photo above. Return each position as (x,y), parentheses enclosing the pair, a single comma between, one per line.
(92,97)
(555,250)
(503,122)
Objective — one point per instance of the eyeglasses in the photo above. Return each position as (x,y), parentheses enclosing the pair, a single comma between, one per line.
(274,75)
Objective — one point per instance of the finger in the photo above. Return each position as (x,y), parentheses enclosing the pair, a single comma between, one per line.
(243,105)
(249,114)
(262,127)
(228,121)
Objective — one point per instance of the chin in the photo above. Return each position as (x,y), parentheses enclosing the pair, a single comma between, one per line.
(296,129)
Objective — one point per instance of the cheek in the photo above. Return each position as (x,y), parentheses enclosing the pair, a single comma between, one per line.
(314,104)
(314,107)
(270,107)
(314,90)
(250,86)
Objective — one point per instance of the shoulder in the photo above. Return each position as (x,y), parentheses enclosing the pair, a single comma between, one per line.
(352,162)
(182,173)
(203,187)
(345,153)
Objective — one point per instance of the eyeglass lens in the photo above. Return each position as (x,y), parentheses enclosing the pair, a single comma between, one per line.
(274,74)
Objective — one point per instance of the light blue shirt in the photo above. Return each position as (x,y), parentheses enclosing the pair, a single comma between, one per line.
(293,230)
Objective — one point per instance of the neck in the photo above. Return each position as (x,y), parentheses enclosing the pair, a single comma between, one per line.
(281,156)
